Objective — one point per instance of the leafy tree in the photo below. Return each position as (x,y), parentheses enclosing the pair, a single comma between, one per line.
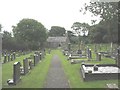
(70,36)
(57,31)
(108,12)
(30,31)
(80,28)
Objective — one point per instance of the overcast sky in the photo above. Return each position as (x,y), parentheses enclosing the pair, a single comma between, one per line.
(49,12)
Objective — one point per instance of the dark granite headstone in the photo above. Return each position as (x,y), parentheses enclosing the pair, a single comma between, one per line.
(5,58)
(16,74)
(14,55)
(25,65)
(89,54)
(8,57)
(35,60)
(30,64)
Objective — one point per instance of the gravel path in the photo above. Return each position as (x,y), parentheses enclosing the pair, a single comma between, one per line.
(56,77)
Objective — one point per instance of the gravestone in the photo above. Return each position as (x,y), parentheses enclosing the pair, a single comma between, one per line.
(8,57)
(11,57)
(40,56)
(14,55)
(35,59)
(25,67)
(5,58)
(98,56)
(16,74)
(89,54)
(30,64)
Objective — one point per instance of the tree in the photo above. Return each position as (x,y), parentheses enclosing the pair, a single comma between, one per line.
(57,31)
(108,12)
(80,28)
(70,35)
(30,31)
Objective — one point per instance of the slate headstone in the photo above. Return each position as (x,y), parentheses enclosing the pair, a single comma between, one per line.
(30,64)
(8,57)
(25,66)
(5,58)
(16,74)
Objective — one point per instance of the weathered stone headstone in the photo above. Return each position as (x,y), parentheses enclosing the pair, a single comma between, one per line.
(30,64)
(25,66)
(98,56)
(5,58)
(89,54)
(35,59)
(8,57)
(111,47)
(14,55)
(11,57)
(16,74)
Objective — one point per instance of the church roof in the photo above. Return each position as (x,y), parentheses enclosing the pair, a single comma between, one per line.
(56,39)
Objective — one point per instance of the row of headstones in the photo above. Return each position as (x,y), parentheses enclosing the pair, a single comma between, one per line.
(88,55)
(27,65)
(99,54)
(9,57)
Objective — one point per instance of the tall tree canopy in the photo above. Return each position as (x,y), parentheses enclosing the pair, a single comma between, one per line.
(30,31)
(108,12)
(80,29)
(57,31)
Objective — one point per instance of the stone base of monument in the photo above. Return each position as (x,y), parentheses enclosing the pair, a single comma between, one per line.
(76,57)
(11,82)
(73,61)
(99,72)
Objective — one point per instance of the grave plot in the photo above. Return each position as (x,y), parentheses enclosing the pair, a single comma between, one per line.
(99,72)
(79,57)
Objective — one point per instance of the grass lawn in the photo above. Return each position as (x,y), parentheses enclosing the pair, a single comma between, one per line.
(72,71)
(34,79)
(37,76)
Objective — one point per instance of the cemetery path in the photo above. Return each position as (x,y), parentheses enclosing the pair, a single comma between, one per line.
(56,77)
